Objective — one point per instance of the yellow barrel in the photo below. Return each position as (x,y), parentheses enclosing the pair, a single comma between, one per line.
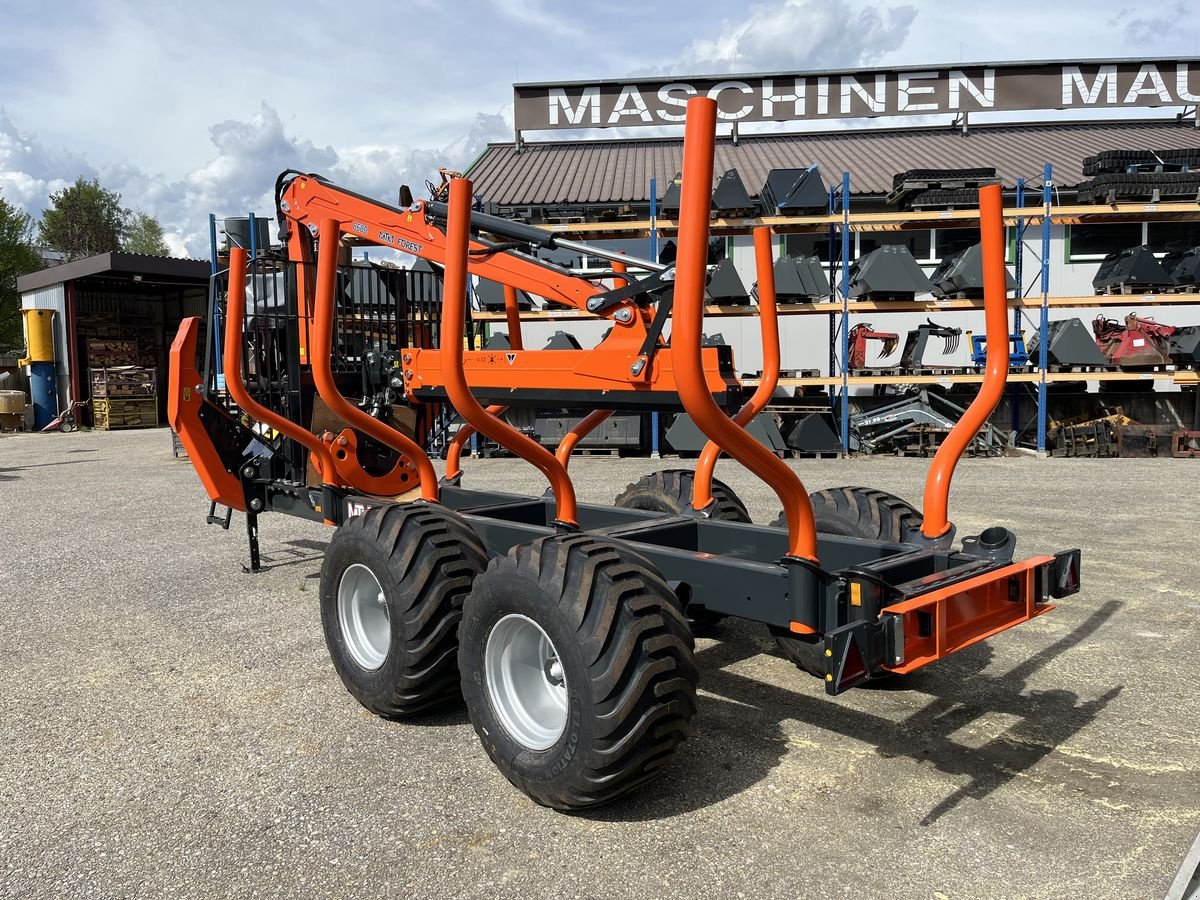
(39,335)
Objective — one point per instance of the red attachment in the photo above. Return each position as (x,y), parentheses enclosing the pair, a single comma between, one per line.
(687,326)
(454,292)
(768,323)
(321,352)
(995,307)
(1137,342)
(860,335)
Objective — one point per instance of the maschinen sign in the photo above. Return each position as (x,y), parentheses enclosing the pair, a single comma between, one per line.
(807,96)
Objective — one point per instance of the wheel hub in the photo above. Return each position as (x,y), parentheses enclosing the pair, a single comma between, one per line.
(363,617)
(525,682)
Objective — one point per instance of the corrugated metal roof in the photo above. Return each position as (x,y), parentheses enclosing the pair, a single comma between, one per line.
(619,171)
(172,267)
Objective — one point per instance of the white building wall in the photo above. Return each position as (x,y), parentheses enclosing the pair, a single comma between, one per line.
(804,339)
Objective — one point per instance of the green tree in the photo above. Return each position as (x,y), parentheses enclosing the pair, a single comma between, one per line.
(144,235)
(17,257)
(83,220)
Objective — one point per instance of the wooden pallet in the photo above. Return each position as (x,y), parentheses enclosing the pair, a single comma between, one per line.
(124,381)
(110,414)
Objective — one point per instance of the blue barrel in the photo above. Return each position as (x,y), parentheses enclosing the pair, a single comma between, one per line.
(44,390)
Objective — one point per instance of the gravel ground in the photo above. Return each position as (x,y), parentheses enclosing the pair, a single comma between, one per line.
(172,727)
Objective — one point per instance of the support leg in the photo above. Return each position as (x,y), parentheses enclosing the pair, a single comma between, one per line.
(252,536)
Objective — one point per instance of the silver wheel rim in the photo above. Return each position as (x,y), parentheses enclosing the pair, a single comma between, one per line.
(526,682)
(363,616)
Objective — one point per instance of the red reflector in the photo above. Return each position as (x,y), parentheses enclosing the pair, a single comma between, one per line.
(855,667)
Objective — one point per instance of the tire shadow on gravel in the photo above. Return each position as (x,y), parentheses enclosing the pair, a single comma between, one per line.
(738,739)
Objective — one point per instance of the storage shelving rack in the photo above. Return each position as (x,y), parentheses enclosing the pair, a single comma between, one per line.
(841,218)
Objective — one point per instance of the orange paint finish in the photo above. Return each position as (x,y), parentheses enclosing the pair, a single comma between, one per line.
(995,305)
(321,352)
(582,429)
(454,451)
(512,313)
(968,612)
(687,325)
(311,202)
(769,325)
(560,370)
(457,386)
(235,316)
(343,448)
(183,414)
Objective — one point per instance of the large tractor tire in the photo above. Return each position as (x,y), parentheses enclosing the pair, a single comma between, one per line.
(851,512)
(577,669)
(392,588)
(670,491)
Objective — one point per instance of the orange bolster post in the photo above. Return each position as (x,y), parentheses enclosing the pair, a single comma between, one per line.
(581,429)
(512,312)
(454,294)
(321,351)
(595,418)
(687,325)
(995,306)
(235,317)
(769,325)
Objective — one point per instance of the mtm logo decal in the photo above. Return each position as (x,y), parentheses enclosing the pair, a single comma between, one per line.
(511,357)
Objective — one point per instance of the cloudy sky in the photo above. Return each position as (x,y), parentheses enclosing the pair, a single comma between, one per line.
(191,108)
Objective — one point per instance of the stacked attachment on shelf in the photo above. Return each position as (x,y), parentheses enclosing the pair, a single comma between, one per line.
(790,192)
(729,199)
(800,279)
(916,188)
(1069,345)
(888,272)
(1151,175)
(1184,268)
(786,192)
(1135,342)
(1133,270)
(913,356)
(725,287)
(961,275)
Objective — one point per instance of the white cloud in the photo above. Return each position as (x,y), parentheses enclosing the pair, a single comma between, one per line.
(240,177)
(799,34)
(533,13)
(29,171)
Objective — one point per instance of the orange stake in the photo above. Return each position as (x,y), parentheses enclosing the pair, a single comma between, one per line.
(454,294)
(321,352)
(454,451)
(513,313)
(582,429)
(235,316)
(592,420)
(995,306)
(768,322)
(687,325)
